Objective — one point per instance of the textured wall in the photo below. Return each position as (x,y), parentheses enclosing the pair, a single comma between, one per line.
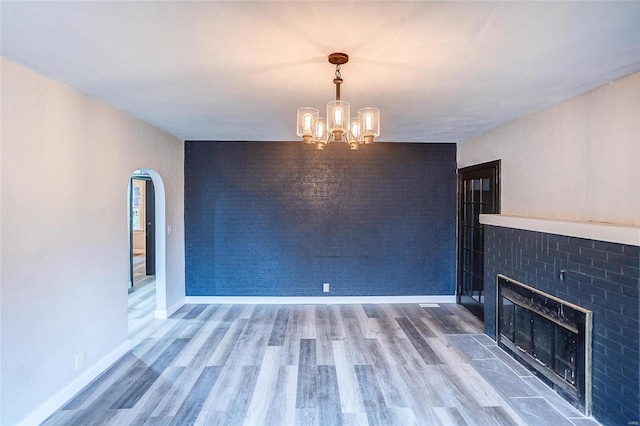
(280,219)
(66,164)
(602,277)
(577,160)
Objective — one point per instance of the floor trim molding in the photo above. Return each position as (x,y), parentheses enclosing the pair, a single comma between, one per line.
(166,313)
(328,300)
(54,403)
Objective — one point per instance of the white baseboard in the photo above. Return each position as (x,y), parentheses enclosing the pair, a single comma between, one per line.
(166,313)
(328,300)
(54,403)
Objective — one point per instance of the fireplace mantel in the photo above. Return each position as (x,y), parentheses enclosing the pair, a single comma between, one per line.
(621,234)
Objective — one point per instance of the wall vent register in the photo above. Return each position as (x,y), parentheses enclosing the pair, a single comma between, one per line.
(549,336)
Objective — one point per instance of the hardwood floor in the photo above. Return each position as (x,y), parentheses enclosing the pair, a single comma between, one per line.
(141,300)
(140,277)
(316,365)
(141,310)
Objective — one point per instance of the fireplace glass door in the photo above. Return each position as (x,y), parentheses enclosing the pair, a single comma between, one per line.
(550,336)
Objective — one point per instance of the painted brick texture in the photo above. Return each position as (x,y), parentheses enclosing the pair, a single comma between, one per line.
(602,277)
(280,219)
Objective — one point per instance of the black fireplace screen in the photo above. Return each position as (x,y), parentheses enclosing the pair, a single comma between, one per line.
(550,336)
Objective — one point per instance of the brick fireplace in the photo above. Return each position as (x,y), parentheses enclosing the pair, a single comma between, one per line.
(594,266)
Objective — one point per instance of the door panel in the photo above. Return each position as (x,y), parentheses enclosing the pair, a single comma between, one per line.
(150,228)
(130,232)
(478,193)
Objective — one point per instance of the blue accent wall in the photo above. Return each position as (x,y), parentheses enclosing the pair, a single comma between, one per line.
(602,277)
(281,219)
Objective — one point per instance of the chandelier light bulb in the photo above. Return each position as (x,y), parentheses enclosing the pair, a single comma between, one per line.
(321,129)
(370,119)
(355,129)
(306,120)
(308,123)
(368,122)
(338,125)
(337,116)
(354,137)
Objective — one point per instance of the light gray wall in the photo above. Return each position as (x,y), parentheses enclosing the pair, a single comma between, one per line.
(579,160)
(65,164)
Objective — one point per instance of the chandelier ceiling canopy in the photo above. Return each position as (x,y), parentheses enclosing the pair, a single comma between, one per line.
(338,126)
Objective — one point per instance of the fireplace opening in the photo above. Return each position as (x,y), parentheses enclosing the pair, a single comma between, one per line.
(550,336)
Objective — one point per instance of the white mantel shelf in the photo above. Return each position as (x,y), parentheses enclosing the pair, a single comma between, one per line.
(621,234)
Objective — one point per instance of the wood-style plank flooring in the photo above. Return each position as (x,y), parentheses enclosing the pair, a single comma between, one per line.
(141,310)
(140,277)
(316,365)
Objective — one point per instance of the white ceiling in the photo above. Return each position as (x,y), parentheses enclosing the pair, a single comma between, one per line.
(439,71)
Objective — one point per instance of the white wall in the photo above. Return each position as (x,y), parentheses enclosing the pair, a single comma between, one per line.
(63,249)
(579,160)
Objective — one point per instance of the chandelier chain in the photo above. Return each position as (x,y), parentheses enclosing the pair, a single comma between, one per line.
(338,75)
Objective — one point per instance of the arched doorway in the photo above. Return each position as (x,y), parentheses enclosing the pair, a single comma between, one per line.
(142,230)
(147,249)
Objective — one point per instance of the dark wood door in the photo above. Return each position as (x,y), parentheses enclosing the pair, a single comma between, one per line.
(130,233)
(150,227)
(478,193)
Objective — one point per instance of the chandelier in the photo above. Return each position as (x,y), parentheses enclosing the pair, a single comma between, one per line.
(339,126)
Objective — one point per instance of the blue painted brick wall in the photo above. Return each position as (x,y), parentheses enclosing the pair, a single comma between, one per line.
(602,277)
(280,219)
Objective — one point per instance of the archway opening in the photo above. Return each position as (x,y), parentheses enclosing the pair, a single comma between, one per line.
(147,255)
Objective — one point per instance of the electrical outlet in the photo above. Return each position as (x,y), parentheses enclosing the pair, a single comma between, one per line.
(79,359)
(325,288)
